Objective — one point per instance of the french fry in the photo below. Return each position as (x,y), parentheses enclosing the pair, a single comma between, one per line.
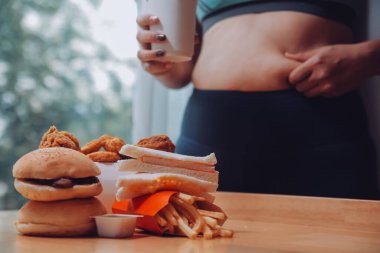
(216,232)
(211,222)
(189,199)
(185,197)
(172,210)
(181,216)
(207,233)
(199,222)
(175,220)
(183,221)
(199,198)
(184,227)
(169,216)
(226,233)
(169,228)
(184,213)
(161,221)
(216,215)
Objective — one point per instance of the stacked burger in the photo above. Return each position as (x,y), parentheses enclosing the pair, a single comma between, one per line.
(187,180)
(60,183)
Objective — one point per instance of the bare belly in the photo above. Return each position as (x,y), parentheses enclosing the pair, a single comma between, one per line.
(247,52)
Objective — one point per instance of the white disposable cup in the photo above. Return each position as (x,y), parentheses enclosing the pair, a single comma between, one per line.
(108,178)
(177,22)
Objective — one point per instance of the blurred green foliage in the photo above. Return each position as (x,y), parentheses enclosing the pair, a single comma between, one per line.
(46,79)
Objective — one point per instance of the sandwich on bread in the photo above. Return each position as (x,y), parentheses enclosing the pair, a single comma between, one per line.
(57,173)
(160,170)
(189,211)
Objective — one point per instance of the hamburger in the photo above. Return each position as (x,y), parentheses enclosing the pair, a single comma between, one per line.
(56,173)
(59,218)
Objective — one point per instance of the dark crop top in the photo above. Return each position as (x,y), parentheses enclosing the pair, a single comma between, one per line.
(210,12)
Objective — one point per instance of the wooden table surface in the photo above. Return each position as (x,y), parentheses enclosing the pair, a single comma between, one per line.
(262,223)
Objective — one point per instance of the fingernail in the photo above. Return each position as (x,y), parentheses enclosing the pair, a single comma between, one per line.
(161,37)
(154,19)
(160,53)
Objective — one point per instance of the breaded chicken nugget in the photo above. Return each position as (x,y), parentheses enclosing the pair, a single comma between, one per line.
(104,156)
(72,137)
(92,146)
(114,144)
(159,142)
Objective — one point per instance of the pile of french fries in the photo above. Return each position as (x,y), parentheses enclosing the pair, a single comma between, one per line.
(183,217)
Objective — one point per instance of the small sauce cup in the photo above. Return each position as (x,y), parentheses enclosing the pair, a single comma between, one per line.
(116,225)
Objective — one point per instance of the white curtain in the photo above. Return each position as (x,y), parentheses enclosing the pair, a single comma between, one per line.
(156,109)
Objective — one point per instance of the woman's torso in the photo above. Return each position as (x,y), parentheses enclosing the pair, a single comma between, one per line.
(246,52)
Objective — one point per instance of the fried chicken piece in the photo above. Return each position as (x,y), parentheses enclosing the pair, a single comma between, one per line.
(109,143)
(55,138)
(104,156)
(114,144)
(92,146)
(159,142)
(71,137)
(104,138)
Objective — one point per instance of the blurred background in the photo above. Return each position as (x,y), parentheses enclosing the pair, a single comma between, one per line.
(65,63)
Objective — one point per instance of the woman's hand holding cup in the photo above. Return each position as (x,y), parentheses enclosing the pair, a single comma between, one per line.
(150,57)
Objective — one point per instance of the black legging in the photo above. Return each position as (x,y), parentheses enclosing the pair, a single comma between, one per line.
(283,143)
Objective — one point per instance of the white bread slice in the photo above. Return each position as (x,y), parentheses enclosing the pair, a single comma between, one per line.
(138,166)
(135,185)
(158,157)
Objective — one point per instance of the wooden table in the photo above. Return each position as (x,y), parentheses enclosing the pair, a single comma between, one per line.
(262,223)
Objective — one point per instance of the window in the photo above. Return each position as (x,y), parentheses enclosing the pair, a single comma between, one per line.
(65,63)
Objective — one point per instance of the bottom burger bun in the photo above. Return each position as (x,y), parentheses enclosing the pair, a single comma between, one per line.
(49,193)
(59,218)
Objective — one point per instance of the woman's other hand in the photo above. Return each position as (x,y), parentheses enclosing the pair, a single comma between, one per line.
(146,55)
(331,71)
